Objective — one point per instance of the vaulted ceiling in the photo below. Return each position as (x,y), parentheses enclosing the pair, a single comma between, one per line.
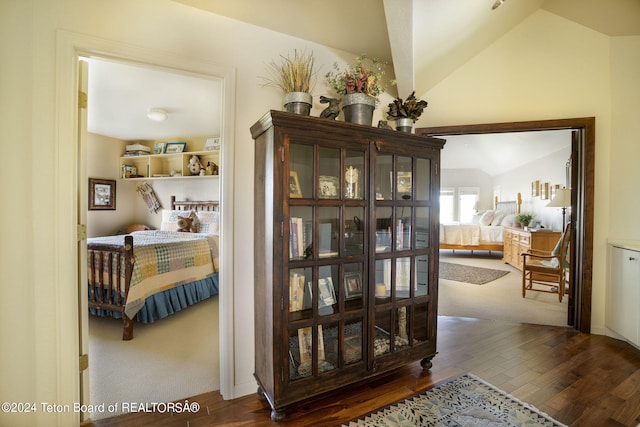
(424,39)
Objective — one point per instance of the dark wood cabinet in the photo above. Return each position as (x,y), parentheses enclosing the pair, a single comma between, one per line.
(346,254)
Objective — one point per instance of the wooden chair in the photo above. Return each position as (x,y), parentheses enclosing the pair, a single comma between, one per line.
(546,271)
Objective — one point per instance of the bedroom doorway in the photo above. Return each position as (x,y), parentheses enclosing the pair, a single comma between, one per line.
(581,177)
(72,47)
(144,369)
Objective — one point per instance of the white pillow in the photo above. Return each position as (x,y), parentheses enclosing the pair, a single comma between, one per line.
(209,222)
(486,218)
(170,219)
(508,220)
(498,217)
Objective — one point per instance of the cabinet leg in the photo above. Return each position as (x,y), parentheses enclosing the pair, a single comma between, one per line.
(277,415)
(426,363)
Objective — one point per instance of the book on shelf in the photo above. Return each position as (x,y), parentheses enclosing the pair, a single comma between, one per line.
(296,291)
(300,233)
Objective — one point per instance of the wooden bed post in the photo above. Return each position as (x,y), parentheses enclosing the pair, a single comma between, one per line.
(127,332)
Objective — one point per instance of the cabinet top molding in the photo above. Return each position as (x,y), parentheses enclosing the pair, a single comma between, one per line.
(292,120)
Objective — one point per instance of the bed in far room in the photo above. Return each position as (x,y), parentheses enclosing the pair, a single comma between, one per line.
(485,234)
(148,275)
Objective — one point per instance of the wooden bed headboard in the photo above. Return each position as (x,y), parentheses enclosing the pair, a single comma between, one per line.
(189,205)
(509,206)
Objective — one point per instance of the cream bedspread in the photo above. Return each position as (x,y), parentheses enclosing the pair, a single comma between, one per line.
(470,234)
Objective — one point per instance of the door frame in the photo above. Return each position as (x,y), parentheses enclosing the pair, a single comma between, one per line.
(69,175)
(582,195)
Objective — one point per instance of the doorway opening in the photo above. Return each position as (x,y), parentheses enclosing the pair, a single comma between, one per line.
(582,184)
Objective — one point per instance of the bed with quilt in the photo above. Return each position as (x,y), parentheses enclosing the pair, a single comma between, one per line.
(148,275)
(485,233)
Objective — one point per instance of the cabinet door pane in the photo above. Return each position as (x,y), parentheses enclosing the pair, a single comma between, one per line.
(423,179)
(384,221)
(328,341)
(327,296)
(382,337)
(383,280)
(403,275)
(422,228)
(354,231)
(328,241)
(352,350)
(329,178)
(301,171)
(384,177)
(403,228)
(354,175)
(300,302)
(300,232)
(422,275)
(404,179)
(353,286)
(402,328)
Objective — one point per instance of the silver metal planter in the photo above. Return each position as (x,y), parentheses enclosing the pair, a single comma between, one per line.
(298,103)
(404,124)
(358,108)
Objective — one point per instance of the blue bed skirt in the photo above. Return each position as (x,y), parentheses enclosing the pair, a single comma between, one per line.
(172,300)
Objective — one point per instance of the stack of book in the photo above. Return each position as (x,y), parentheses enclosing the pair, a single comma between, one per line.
(137,150)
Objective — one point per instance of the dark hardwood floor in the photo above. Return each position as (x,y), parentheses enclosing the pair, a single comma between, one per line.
(579,379)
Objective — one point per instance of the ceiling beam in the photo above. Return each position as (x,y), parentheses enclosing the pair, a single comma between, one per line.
(399,17)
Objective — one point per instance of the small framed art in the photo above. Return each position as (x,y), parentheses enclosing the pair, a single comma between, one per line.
(294,186)
(158,148)
(175,147)
(102,194)
(212,144)
(352,285)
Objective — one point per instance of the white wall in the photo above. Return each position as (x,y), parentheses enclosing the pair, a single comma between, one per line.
(623,195)
(546,68)
(471,178)
(550,169)
(103,161)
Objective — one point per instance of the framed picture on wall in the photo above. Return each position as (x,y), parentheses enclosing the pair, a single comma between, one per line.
(535,188)
(102,194)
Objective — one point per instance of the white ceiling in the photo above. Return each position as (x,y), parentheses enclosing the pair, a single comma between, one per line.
(498,153)
(120,95)
(425,38)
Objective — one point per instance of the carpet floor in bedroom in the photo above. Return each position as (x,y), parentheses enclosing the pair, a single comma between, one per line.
(500,299)
(174,358)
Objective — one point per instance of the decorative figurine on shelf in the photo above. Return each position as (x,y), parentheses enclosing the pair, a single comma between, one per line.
(382,124)
(333,110)
(188,224)
(194,165)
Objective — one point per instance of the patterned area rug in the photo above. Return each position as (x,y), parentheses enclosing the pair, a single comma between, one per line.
(469,274)
(463,401)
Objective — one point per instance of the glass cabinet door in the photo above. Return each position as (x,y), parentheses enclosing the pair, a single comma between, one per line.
(327,234)
(402,210)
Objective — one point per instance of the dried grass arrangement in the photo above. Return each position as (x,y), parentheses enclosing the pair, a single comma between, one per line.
(292,74)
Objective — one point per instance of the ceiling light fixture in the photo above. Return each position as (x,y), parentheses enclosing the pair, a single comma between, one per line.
(497,4)
(157,114)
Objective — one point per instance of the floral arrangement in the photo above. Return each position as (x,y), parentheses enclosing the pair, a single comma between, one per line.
(292,74)
(365,76)
(412,108)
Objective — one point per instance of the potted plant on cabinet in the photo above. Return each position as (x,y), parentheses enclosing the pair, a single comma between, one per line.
(524,219)
(405,113)
(359,86)
(296,78)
